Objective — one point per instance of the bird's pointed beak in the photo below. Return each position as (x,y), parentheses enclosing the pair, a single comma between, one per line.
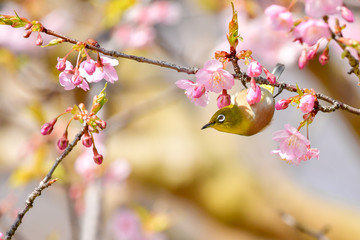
(208,125)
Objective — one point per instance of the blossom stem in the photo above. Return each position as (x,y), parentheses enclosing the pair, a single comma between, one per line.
(42,185)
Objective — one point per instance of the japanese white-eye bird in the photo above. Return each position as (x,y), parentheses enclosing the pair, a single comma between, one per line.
(241,117)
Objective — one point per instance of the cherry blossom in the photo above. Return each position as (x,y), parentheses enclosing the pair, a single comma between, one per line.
(194,91)
(254,69)
(293,147)
(71,78)
(214,77)
(279,18)
(307,103)
(311,31)
(319,8)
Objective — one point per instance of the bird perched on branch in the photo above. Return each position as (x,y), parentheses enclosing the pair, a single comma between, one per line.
(241,117)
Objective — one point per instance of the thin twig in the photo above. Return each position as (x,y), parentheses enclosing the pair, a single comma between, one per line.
(335,104)
(43,184)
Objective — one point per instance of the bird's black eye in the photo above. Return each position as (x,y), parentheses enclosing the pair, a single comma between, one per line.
(221,118)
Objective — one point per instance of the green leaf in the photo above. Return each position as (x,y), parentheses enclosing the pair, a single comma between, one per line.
(298,90)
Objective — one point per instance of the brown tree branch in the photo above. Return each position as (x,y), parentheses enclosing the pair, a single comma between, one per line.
(335,104)
(46,182)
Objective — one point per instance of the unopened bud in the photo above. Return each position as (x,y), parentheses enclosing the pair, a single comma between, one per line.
(324,57)
(39,40)
(63,142)
(223,99)
(98,158)
(86,140)
(347,14)
(27,34)
(28,26)
(303,60)
(269,76)
(47,128)
(282,104)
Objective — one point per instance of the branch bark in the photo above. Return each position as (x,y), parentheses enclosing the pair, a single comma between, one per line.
(46,182)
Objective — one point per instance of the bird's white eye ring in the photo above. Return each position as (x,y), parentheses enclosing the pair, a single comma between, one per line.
(221,118)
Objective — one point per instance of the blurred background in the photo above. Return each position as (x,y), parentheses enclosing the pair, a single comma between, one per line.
(162,177)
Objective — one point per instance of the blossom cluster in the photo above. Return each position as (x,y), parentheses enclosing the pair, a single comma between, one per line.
(86,71)
(311,30)
(211,78)
(92,123)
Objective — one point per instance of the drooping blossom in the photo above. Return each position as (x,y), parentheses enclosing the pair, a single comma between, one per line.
(104,70)
(69,78)
(223,99)
(282,104)
(254,69)
(214,77)
(310,153)
(319,8)
(253,93)
(311,31)
(307,102)
(279,18)
(88,66)
(61,65)
(194,91)
(293,146)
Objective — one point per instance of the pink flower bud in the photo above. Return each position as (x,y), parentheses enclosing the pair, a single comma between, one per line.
(87,140)
(282,104)
(98,159)
(39,40)
(1,236)
(324,57)
(254,69)
(63,142)
(312,52)
(27,34)
(28,26)
(198,91)
(347,14)
(307,103)
(253,93)
(101,124)
(269,76)
(303,60)
(223,99)
(47,128)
